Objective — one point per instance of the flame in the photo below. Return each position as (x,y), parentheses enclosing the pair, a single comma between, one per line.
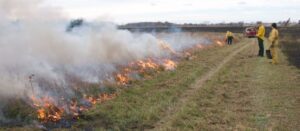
(165,46)
(74,109)
(147,64)
(105,97)
(122,79)
(137,67)
(91,99)
(49,111)
(199,46)
(220,43)
(41,114)
(46,109)
(169,64)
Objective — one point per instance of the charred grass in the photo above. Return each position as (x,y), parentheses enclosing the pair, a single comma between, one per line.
(290,45)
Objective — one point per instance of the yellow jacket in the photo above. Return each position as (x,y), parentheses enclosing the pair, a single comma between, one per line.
(261,32)
(228,34)
(273,37)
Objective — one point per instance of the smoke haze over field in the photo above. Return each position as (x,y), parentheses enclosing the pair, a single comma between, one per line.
(33,41)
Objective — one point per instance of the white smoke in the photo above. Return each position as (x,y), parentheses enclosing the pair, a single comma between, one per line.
(33,40)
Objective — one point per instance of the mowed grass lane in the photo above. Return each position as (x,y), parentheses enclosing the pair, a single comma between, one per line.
(248,94)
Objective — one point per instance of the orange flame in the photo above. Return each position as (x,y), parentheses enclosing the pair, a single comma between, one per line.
(220,43)
(141,66)
(147,64)
(41,114)
(122,79)
(105,97)
(169,65)
(91,99)
(164,45)
(47,111)
(199,46)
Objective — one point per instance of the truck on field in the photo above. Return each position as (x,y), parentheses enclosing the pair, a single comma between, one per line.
(250,32)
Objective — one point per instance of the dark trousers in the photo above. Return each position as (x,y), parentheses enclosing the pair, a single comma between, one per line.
(261,47)
(229,40)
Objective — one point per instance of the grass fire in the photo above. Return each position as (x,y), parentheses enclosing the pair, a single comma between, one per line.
(93,65)
(63,73)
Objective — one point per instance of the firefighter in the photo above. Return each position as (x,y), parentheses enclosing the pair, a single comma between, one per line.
(273,38)
(260,37)
(229,37)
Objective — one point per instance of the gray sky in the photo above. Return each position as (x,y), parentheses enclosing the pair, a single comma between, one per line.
(181,11)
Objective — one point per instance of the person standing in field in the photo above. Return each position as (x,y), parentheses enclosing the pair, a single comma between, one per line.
(273,38)
(229,37)
(260,37)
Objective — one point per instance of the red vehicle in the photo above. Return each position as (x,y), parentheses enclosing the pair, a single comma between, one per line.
(250,32)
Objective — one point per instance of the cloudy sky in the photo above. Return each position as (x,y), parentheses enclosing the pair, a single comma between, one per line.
(181,11)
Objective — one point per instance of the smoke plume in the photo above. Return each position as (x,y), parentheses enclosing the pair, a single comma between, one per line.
(37,54)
